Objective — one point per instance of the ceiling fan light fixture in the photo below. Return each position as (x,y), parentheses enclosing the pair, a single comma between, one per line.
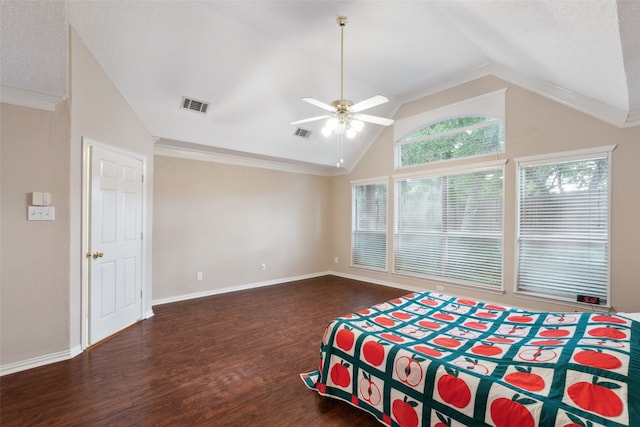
(344,117)
(329,127)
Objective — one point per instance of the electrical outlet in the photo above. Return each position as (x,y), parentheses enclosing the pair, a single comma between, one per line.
(263,266)
(199,275)
(335,259)
(439,288)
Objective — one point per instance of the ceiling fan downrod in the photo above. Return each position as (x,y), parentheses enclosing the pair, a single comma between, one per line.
(342,22)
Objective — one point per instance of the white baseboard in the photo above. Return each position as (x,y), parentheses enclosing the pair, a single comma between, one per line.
(35,362)
(236,288)
(73,352)
(377,282)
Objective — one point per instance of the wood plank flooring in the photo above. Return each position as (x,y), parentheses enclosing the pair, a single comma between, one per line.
(225,360)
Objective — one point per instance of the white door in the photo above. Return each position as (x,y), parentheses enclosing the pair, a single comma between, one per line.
(115,233)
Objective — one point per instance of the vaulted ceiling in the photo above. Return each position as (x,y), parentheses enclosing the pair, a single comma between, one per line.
(253,61)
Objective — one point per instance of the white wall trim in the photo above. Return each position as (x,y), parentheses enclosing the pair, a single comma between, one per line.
(377,282)
(590,106)
(29,98)
(69,354)
(35,362)
(633,119)
(228,289)
(243,159)
(73,352)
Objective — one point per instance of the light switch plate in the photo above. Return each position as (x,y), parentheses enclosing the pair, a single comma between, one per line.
(41,213)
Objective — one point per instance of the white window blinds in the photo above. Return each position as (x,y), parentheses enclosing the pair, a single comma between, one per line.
(563,227)
(369,225)
(449,227)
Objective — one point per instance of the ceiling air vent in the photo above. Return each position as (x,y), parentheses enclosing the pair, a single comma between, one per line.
(302,133)
(194,105)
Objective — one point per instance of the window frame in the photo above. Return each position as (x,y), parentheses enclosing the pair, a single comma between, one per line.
(555,158)
(492,104)
(451,171)
(363,183)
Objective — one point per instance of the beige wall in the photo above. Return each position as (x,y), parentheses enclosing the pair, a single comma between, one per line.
(100,113)
(41,285)
(34,268)
(225,221)
(534,125)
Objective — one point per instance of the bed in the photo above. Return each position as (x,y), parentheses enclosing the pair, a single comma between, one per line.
(429,359)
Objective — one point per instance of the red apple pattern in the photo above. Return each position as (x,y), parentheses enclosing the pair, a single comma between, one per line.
(409,369)
(512,412)
(404,412)
(344,338)
(525,379)
(442,420)
(597,396)
(454,390)
(381,357)
(369,390)
(340,375)
(373,352)
(597,359)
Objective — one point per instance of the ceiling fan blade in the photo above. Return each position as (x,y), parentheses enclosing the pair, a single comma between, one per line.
(310,119)
(320,104)
(368,103)
(373,119)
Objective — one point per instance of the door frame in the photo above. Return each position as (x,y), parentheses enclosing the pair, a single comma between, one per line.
(87,144)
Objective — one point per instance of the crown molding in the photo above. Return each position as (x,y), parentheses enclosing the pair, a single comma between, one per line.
(210,154)
(633,119)
(447,83)
(29,98)
(597,109)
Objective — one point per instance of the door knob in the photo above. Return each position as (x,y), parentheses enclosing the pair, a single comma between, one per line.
(97,255)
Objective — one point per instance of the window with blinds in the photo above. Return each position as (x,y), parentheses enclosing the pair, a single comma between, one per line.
(449,226)
(563,226)
(369,225)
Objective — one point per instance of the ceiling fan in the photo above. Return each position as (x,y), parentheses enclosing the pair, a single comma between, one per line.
(345,117)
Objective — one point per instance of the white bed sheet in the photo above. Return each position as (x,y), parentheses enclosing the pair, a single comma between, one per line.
(632,316)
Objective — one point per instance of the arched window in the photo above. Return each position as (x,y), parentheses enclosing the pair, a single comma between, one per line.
(469,128)
(464,136)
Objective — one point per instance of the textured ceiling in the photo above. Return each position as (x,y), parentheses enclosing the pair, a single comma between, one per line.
(33,46)
(254,60)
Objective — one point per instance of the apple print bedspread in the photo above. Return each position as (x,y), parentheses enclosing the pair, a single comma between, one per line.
(429,359)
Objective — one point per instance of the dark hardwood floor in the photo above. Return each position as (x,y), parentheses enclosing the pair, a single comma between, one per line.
(225,360)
